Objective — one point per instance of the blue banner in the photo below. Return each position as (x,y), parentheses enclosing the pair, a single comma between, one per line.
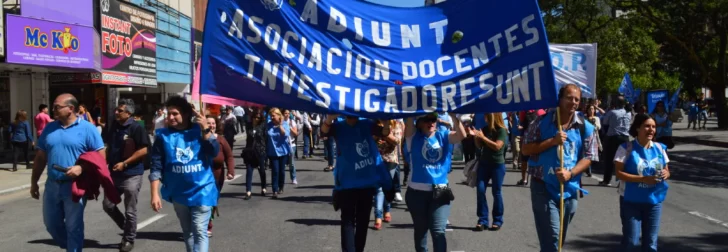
(627,89)
(359,58)
(674,98)
(655,96)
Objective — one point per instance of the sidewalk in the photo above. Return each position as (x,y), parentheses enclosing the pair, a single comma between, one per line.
(11,182)
(707,147)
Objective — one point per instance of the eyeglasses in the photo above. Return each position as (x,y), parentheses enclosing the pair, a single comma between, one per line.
(120,110)
(58,107)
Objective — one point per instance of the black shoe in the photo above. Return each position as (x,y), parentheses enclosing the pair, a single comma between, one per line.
(605,184)
(126,246)
(522,182)
(15,169)
(479,227)
(248,195)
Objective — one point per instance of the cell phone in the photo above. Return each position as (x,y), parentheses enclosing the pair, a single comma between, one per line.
(60,168)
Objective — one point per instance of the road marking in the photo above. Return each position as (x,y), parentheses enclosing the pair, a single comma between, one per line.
(597,177)
(708,218)
(458,251)
(150,221)
(448,230)
(234,178)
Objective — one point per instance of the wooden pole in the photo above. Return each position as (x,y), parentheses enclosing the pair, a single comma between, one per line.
(561,206)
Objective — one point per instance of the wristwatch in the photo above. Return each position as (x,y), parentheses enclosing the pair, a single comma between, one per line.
(207,130)
(125,164)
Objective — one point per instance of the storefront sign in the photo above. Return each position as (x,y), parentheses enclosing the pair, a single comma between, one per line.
(128,44)
(38,42)
(78,12)
(75,78)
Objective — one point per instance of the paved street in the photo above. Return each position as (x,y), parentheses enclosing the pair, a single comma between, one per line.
(694,218)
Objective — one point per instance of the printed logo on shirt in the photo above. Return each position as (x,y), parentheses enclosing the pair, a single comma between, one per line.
(570,151)
(362,148)
(432,152)
(184,155)
(648,168)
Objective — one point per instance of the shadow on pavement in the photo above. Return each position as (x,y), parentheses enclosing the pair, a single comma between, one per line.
(610,242)
(315,222)
(159,236)
(307,199)
(86,244)
(316,187)
(701,176)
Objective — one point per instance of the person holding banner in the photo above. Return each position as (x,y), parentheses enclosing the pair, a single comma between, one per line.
(278,144)
(543,144)
(429,195)
(642,168)
(359,172)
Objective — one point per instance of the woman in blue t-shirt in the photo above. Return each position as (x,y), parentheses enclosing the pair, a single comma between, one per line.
(182,156)
(279,147)
(429,195)
(359,171)
(21,138)
(663,130)
(642,169)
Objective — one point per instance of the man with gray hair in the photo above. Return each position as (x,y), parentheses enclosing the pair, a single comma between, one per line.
(127,143)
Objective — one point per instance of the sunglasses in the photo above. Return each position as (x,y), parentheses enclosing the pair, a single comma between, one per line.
(429,119)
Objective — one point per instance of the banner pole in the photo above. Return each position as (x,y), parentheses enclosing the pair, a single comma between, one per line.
(561,206)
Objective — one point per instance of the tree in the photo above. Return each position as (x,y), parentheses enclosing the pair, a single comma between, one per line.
(694,35)
(624,45)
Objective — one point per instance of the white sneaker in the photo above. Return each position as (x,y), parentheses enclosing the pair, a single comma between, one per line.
(398,197)
(295,182)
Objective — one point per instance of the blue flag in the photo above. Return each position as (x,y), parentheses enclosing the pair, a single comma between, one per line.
(674,98)
(627,89)
(359,58)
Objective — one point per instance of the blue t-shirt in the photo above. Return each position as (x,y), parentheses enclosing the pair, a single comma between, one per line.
(63,145)
(185,163)
(643,162)
(358,162)
(548,161)
(514,126)
(431,157)
(445,117)
(20,132)
(278,144)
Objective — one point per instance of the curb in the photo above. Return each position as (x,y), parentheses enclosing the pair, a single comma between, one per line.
(19,188)
(697,161)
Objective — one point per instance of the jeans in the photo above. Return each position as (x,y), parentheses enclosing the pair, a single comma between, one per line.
(394,173)
(291,167)
(249,176)
(62,217)
(128,186)
(639,219)
(546,214)
(486,172)
(329,150)
(428,215)
(356,204)
(306,142)
(315,135)
(241,123)
(278,171)
(194,220)
(613,143)
(381,206)
(17,148)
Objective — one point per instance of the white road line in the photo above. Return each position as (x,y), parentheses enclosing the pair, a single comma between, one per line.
(708,218)
(14,189)
(150,221)
(234,178)
(597,177)
(458,251)
(448,230)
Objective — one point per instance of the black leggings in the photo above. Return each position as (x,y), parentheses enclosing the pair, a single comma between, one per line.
(17,148)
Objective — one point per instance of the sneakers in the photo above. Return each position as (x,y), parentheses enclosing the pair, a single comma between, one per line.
(605,184)
(126,246)
(398,197)
(522,182)
(295,182)
(209,233)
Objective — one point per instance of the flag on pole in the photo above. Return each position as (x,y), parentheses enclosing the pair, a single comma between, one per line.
(627,89)
(673,99)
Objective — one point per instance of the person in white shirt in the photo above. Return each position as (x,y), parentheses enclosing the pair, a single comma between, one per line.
(239,114)
(315,120)
(307,132)
(160,119)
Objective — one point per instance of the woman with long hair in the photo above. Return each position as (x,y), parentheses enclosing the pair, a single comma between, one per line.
(389,150)
(642,168)
(84,114)
(182,154)
(255,153)
(429,195)
(293,131)
(491,166)
(21,138)
(663,132)
(223,159)
(591,116)
(278,149)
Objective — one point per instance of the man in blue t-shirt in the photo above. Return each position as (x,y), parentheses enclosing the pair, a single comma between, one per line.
(128,142)
(543,144)
(59,147)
